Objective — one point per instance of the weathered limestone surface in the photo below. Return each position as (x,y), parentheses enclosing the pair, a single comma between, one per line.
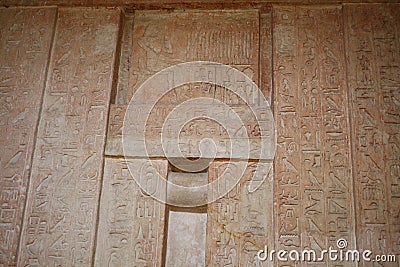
(131,226)
(182,120)
(162,39)
(312,165)
(230,37)
(191,193)
(336,100)
(25,39)
(240,223)
(372,46)
(60,218)
(187,239)
(158,4)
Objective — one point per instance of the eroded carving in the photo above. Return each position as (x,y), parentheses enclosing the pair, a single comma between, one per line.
(373,76)
(131,227)
(24,48)
(60,217)
(312,165)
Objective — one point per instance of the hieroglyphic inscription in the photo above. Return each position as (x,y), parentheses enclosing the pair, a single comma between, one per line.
(131,226)
(60,218)
(25,40)
(372,35)
(162,39)
(230,125)
(312,163)
(240,223)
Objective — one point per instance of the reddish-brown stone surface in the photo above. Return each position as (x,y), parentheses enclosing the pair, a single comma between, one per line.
(163,39)
(60,218)
(240,223)
(335,92)
(372,46)
(229,37)
(25,39)
(181,4)
(131,224)
(313,177)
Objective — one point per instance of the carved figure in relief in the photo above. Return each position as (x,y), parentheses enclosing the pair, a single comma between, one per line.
(158,50)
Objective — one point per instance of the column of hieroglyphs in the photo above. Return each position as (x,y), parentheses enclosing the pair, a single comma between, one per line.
(372,47)
(60,219)
(24,49)
(312,164)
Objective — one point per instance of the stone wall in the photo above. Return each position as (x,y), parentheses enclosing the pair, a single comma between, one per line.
(331,74)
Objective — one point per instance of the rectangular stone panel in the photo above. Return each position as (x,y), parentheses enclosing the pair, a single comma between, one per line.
(181,127)
(373,56)
(25,40)
(240,223)
(131,225)
(186,244)
(60,218)
(314,193)
(162,39)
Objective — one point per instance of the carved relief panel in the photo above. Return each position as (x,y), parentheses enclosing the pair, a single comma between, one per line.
(312,164)
(24,49)
(163,39)
(60,218)
(373,74)
(131,226)
(66,74)
(240,223)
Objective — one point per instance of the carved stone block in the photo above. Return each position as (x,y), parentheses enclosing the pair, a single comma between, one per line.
(187,235)
(24,49)
(373,76)
(312,163)
(131,226)
(60,217)
(240,223)
(163,39)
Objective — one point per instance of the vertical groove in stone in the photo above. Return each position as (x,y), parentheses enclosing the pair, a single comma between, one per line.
(121,85)
(25,43)
(62,201)
(350,121)
(265,50)
(372,47)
